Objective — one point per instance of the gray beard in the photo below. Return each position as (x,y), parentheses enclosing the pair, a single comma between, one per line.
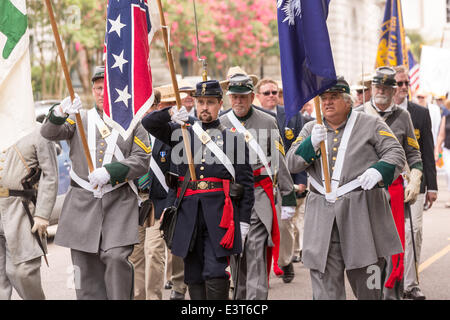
(381,99)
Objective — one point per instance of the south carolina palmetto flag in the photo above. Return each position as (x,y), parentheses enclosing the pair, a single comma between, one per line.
(128,80)
(17,116)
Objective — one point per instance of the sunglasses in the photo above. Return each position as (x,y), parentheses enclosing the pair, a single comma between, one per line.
(267,93)
(420,97)
(401,83)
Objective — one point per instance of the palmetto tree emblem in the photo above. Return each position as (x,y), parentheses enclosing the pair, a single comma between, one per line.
(291,9)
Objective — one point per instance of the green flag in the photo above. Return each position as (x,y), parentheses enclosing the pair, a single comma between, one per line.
(17,117)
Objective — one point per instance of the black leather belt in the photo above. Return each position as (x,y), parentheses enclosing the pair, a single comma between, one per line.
(29,193)
(74,184)
(260,177)
(202,185)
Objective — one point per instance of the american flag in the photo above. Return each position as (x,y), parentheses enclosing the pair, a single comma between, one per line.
(414,72)
(128,79)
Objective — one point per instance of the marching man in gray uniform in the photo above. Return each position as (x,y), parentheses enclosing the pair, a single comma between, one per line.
(99,219)
(270,172)
(399,120)
(22,226)
(351,228)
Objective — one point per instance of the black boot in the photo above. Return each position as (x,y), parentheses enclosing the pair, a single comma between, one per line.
(217,289)
(197,291)
(288,273)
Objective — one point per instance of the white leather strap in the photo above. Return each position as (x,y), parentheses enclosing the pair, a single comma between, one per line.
(336,177)
(346,188)
(92,137)
(214,148)
(94,121)
(158,173)
(251,142)
(337,191)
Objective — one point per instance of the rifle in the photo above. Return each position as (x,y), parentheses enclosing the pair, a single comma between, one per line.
(28,183)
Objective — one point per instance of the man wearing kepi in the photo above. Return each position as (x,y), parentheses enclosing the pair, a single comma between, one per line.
(351,228)
(214,214)
(269,170)
(28,174)
(421,120)
(99,219)
(398,119)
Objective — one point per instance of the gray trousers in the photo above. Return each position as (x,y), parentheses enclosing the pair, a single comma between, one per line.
(410,279)
(24,277)
(250,273)
(287,241)
(106,275)
(366,283)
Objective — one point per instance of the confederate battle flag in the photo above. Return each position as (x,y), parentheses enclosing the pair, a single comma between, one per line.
(128,79)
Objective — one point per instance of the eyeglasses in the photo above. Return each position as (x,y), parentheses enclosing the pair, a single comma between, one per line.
(401,83)
(420,97)
(267,93)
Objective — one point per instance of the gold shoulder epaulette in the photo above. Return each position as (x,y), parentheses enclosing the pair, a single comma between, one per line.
(70,121)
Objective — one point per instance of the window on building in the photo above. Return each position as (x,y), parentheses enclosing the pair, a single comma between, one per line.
(448,11)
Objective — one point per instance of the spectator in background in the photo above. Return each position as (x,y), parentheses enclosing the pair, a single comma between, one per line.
(443,143)
(308,110)
(422,99)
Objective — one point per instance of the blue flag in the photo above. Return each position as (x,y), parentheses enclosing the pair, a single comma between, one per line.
(391,47)
(307,67)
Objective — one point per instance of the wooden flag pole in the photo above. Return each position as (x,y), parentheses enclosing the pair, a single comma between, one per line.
(69,83)
(175,88)
(323,151)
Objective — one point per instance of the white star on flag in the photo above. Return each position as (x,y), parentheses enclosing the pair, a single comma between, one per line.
(123,95)
(120,61)
(116,25)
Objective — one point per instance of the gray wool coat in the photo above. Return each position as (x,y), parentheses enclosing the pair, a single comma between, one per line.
(87,223)
(363,218)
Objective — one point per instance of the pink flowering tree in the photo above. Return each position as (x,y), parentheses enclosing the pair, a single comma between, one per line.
(230,33)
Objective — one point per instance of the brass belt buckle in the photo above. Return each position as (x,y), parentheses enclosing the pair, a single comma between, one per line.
(4,192)
(202,185)
(205,138)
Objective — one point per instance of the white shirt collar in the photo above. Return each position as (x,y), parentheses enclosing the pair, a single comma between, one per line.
(192,112)
(404,104)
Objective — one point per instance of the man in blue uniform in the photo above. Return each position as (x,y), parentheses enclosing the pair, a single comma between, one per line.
(211,222)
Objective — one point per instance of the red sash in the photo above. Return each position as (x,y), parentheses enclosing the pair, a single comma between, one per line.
(272,252)
(397,207)
(227,221)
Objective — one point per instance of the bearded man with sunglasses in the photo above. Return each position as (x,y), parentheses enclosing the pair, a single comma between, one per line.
(382,105)
(428,188)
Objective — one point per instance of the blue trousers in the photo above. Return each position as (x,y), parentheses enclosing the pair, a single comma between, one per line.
(201,263)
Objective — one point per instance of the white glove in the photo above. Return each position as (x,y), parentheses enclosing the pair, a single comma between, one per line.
(68,106)
(99,177)
(244,231)
(179,116)
(40,225)
(287,212)
(370,178)
(413,187)
(318,134)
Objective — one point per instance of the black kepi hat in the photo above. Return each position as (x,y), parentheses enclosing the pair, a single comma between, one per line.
(210,88)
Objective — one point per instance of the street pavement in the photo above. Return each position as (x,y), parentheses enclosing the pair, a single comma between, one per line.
(434,265)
